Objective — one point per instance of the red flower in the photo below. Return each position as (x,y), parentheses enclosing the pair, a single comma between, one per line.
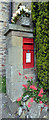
(19,73)
(19,99)
(29,105)
(40,95)
(31,100)
(41,91)
(31,77)
(26,77)
(25,86)
(41,102)
(33,87)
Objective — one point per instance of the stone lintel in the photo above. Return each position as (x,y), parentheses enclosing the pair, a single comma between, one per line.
(15,27)
(22,34)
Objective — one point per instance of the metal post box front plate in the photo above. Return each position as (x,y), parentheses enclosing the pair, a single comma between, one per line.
(28,53)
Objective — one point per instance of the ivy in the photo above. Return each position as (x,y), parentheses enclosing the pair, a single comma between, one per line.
(40,15)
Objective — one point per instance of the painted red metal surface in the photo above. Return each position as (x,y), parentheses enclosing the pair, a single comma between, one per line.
(28,47)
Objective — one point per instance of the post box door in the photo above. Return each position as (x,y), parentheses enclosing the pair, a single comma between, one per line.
(28,53)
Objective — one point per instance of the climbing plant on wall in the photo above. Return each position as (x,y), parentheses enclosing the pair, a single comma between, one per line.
(40,21)
(35,11)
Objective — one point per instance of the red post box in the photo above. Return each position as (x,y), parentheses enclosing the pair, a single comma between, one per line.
(28,53)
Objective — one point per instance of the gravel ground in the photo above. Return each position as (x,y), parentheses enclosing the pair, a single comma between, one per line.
(6,113)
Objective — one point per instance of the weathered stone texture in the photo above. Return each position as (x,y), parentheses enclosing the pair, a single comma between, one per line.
(4,20)
(12,53)
(14,65)
(23,2)
(29,73)
(35,111)
(22,34)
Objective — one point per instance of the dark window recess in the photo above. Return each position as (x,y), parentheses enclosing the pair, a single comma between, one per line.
(28,43)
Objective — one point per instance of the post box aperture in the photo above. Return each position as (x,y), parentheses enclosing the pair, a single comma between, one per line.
(28,53)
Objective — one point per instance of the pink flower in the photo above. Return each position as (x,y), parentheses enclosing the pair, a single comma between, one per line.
(26,77)
(33,87)
(19,99)
(31,100)
(31,77)
(41,102)
(19,73)
(24,85)
(40,95)
(41,91)
(29,105)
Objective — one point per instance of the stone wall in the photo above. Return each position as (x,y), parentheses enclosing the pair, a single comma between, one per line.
(27,5)
(4,21)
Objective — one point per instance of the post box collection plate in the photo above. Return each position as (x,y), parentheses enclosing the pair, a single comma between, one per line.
(28,57)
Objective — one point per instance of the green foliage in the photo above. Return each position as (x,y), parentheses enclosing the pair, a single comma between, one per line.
(28,91)
(19,102)
(40,15)
(34,93)
(35,11)
(0,84)
(4,84)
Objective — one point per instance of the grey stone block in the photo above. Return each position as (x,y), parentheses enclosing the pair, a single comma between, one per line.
(12,105)
(35,110)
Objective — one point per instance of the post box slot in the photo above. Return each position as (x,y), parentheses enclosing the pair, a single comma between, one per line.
(28,43)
